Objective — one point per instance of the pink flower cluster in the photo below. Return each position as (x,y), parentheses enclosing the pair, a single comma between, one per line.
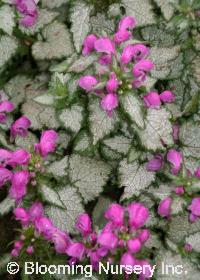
(5,107)
(154,100)
(43,226)
(20,179)
(120,72)
(28,10)
(118,236)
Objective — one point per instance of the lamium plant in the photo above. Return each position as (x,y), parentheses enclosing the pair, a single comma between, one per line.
(99,139)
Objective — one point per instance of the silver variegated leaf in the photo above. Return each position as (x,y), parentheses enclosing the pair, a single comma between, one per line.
(59,168)
(180,227)
(178,205)
(194,240)
(163,59)
(6,205)
(53,3)
(134,177)
(58,43)
(8,47)
(71,118)
(82,64)
(167,7)
(189,136)
(142,11)
(133,106)
(88,175)
(167,258)
(118,143)
(100,124)
(65,206)
(80,18)
(161,192)
(7,19)
(158,129)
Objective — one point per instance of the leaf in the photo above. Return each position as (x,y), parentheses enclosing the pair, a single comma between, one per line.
(158,128)
(190,272)
(45,99)
(88,175)
(8,47)
(80,18)
(57,45)
(100,124)
(134,177)
(7,19)
(194,240)
(180,228)
(53,3)
(44,18)
(118,143)
(4,260)
(165,61)
(189,136)
(6,205)
(83,143)
(167,7)
(66,206)
(59,168)
(134,107)
(142,11)
(82,64)
(101,25)
(178,205)
(71,118)
(162,192)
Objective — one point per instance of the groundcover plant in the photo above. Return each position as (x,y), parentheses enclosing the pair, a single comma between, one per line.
(100,139)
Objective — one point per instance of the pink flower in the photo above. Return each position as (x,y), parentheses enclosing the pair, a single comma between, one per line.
(107,240)
(18,245)
(164,207)
(5,176)
(105,59)
(155,164)
(28,9)
(195,209)
(44,225)
(15,253)
(36,211)
(188,247)
(115,214)
(22,215)
(179,190)
(167,97)
(61,241)
(112,84)
(122,36)
(87,83)
(30,250)
(5,107)
(84,225)
(134,245)
(76,250)
(175,158)
(127,259)
(88,44)
(146,269)
(104,45)
(109,102)
(136,52)
(144,235)
(5,157)
(20,127)
(140,70)
(47,143)
(28,20)
(152,100)
(19,181)
(197,173)
(138,215)
(21,157)
(127,23)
